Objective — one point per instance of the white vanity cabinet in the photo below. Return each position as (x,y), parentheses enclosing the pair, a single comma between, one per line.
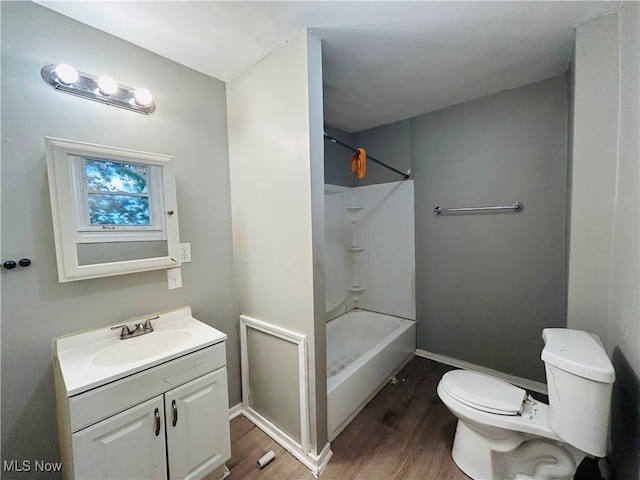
(132,443)
(126,445)
(198,438)
(168,419)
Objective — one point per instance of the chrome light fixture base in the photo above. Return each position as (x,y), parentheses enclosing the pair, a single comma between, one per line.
(87,86)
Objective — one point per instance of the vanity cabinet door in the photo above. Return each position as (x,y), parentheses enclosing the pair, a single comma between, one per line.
(198,438)
(129,445)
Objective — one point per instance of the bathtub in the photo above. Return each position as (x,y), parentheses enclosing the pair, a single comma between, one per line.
(364,350)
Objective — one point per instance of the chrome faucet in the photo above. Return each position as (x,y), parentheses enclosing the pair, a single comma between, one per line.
(138,329)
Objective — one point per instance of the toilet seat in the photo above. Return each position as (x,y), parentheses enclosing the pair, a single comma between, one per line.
(483,392)
(533,420)
(497,419)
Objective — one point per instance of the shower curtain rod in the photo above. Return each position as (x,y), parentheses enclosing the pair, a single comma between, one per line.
(369,157)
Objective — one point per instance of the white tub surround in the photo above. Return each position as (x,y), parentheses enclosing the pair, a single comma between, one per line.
(336,241)
(369,255)
(364,350)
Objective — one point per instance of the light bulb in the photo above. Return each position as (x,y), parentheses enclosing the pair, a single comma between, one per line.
(107,85)
(143,97)
(66,73)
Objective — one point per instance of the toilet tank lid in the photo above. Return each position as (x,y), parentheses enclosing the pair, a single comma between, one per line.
(577,352)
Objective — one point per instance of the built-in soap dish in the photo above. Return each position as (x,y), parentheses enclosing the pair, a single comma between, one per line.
(356,291)
(353,213)
(355,249)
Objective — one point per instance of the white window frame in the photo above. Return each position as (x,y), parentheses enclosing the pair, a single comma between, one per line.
(87,233)
(62,185)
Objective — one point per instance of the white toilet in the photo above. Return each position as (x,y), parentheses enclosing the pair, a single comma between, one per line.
(503,433)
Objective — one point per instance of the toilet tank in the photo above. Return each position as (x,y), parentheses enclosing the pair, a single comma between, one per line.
(579,378)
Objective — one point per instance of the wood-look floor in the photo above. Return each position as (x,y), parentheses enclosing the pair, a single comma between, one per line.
(405,432)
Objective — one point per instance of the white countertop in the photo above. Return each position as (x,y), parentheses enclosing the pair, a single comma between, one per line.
(78,355)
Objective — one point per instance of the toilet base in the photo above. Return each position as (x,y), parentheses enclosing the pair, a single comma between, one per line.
(512,455)
(473,451)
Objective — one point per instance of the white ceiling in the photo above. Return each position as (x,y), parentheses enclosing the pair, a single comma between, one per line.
(382,61)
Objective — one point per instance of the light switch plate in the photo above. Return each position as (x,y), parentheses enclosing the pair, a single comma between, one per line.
(174,277)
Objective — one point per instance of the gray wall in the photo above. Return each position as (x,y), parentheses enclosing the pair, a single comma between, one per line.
(487,284)
(604,262)
(624,341)
(189,123)
(278,207)
(391,144)
(337,159)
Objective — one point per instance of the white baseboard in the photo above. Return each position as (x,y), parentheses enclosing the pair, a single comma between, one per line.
(315,463)
(454,362)
(322,459)
(235,411)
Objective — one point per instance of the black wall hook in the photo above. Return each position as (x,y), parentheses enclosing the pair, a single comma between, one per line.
(10,264)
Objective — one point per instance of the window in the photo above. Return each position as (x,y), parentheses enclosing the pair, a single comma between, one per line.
(117,193)
(118,201)
(114,210)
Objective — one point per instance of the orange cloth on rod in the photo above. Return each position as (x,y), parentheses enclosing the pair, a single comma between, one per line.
(359,162)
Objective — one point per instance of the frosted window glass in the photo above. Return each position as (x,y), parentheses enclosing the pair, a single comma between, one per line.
(118,210)
(104,176)
(117,193)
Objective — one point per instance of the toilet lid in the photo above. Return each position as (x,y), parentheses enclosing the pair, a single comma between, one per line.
(484,392)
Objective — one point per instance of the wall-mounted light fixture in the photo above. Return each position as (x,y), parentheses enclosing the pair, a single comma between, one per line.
(103,89)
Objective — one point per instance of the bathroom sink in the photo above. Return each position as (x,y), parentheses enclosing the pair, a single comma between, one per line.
(92,358)
(142,347)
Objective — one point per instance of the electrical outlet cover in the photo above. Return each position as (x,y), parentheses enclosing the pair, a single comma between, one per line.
(185,252)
